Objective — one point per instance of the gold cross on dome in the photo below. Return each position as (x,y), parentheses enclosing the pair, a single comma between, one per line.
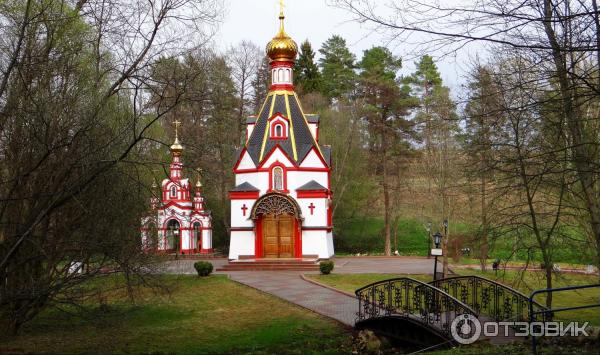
(177,123)
(281,6)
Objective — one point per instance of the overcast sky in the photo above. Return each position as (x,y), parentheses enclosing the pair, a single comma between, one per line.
(256,20)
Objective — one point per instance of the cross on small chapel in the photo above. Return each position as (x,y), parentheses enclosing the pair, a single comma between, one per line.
(312,208)
(244,209)
(177,123)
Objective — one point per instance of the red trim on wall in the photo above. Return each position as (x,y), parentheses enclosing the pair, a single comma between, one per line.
(282,64)
(297,239)
(243,195)
(258,235)
(264,170)
(282,87)
(312,194)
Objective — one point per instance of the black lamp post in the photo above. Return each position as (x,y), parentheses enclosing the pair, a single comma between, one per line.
(437,239)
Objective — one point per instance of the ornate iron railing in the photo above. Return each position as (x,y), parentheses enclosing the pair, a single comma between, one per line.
(489,298)
(409,298)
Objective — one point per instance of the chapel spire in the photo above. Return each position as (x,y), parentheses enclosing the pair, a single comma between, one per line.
(176,150)
(176,147)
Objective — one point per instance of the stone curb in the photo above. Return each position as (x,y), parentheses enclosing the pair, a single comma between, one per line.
(326,286)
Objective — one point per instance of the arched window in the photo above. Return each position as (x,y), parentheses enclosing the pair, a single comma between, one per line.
(278,130)
(173,192)
(287,75)
(277,178)
(280,75)
(196,236)
(173,235)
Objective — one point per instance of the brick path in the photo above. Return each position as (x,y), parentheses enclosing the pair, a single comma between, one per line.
(291,287)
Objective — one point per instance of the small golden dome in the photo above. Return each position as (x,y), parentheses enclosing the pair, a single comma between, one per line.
(282,47)
(176,147)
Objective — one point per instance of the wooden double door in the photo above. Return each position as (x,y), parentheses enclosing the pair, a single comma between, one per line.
(278,236)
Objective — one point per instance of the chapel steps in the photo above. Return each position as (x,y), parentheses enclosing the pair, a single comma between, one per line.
(271,265)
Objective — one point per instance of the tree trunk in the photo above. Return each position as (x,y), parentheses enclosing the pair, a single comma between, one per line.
(483,246)
(385,185)
(583,163)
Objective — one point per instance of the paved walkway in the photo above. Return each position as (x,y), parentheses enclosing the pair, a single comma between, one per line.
(290,286)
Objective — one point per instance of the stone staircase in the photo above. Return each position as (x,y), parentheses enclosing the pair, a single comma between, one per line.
(303,264)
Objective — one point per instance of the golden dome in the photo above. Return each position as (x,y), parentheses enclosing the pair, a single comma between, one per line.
(282,47)
(176,147)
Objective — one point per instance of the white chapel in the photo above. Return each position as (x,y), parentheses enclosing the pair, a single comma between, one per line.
(178,222)
(281,204)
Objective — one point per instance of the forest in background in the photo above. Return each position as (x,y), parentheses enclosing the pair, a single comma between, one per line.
(89,89)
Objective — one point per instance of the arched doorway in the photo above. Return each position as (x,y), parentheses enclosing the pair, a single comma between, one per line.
(277,220)
(173,235)
(196,236)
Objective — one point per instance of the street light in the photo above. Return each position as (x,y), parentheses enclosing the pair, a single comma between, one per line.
(437,239)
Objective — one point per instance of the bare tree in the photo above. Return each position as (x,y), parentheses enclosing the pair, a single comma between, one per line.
(75,100)
(560,36)
(244,60)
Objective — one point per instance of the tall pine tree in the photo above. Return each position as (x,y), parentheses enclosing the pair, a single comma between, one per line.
(306,73)
(337,68)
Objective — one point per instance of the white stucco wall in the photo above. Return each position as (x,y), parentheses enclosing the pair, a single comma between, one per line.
(319,218)
(237,214)
(317,243)
(242,243)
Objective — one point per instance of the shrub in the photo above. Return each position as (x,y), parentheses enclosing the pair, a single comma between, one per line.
(204,268)
(326,267)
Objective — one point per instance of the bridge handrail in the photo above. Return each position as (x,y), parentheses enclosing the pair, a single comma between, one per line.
(487,280)
(420,283)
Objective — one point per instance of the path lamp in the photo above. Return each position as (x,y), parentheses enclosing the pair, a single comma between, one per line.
(437,239)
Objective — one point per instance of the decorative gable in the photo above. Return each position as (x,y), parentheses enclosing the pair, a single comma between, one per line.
(245,162)
(313,160)
(279,127)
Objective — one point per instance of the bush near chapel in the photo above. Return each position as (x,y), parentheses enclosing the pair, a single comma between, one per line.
(326,267)
(204,268)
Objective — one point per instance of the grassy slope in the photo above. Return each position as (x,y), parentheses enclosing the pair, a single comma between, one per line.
(364,235)
(210,314)
(531,281)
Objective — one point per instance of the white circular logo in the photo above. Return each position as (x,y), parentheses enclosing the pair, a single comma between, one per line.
(465,329)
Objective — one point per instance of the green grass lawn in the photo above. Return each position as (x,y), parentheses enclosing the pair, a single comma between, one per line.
(530,282)
(365,235)
(201,315)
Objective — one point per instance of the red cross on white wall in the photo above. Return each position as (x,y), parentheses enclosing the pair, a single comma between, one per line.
(312,208)
(244,209)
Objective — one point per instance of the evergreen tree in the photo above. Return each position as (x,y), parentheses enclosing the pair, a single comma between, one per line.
(337,68)
(306,73)
(385,107)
